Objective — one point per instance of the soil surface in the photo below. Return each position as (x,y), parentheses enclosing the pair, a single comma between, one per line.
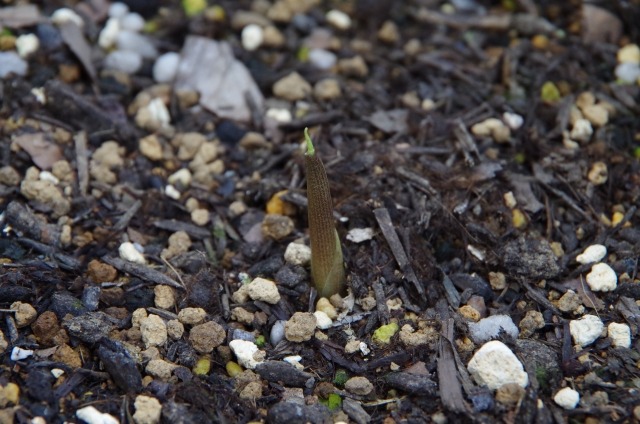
(154,259)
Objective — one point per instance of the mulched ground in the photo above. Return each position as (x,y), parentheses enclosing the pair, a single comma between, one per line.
(465,222)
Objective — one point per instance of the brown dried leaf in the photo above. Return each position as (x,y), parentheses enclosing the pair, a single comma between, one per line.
(43,152)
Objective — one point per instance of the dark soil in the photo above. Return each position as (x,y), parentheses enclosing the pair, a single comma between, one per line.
(464,225)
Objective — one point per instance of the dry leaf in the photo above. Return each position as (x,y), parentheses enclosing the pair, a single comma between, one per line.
(43,152)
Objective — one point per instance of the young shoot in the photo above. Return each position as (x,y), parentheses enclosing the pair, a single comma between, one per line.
(327,267)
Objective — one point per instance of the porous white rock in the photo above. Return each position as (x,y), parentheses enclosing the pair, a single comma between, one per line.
(602,278)
(277,332)
(166,67)
(358,235)
(128,252)
(279,114)
(513,120)
(244,351)
(64,15)
(153,330)
(490,327)
(132,22)
(125,61)
(586,329)
(620,334)
(172,192)
(297,254)
(252,37)
(582,130)
(322,59)
(591,254)
(91,415)
(628,72)
(18,354)
(263,290)
(495,365)
(338,19)
(109,33)
(26,44)
(322,320)
(567,398)
(148,410)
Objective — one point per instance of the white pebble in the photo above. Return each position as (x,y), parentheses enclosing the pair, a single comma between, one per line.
(513,120)
(128,252)
(582,130)
(64,15)
(591,254)
(490,327)
(602,278)
(628,72)
(358,235)
(124,61)
(180,177)
(134,42)
(338,19)
(132,22)
(109,34)
(172,192)
(293,359)
(322,320)
(279,114)
(277,332)
(364,349)
(158,113)
(567,398)
(586,330)
(118,10)
(495,365)
(18,354)
(252,37)
(12,63)
(322,59)
(27,44)
(56,372)
(48,176)
(620,334)
(297,254)
(244,351)
(91,415)
(166,67)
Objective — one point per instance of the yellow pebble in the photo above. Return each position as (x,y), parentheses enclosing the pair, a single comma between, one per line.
(470,313)
(540,42)
(616,218)
(233,369)
(10,394)
(518,219)
(277,206)
(202,367)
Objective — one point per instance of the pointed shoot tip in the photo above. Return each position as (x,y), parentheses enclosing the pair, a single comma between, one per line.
(310,149)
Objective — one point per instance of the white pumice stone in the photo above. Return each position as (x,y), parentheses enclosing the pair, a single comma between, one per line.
(182,177)
(567,398)
(323,321)
(57,372)
(118,10)
(586,330)
(172,192)
(628,72)
(277,332)
(132,22)
(495,365)
(338,19)
(582,130)
(513,120)
(620,334)
(322,59)
(91,415)
(109,34)
(64,15)
(128,252)
(244,351)
(18,354)
(252,37)
(279,114)
(593,253)
(166,67)
(27,44)
(602,278)
(297,254)
(124,61)
(358,235)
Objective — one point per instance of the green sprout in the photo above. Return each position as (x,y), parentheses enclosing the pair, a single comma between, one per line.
(327,267)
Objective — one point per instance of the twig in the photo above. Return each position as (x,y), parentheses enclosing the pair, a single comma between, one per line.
(124,220)
(142,271)
(80,141)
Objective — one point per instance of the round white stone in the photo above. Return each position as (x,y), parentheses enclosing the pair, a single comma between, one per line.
(495,365)
(620,334)
(338,19)
(279,114)
(128,252)
(602,278)
(64,15)
(591,254)
(358,235)
(322,320)
(567,398)
(628,72)
(181,176)
(244,351)
(124,61)
(134,42)
(91,415)
(252,37)
(322,59)
(297,254)
(513,120)
(172,192)
(27,44)
(582,130)
(586,329)
(166,67)
(132,22)
(118,10)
